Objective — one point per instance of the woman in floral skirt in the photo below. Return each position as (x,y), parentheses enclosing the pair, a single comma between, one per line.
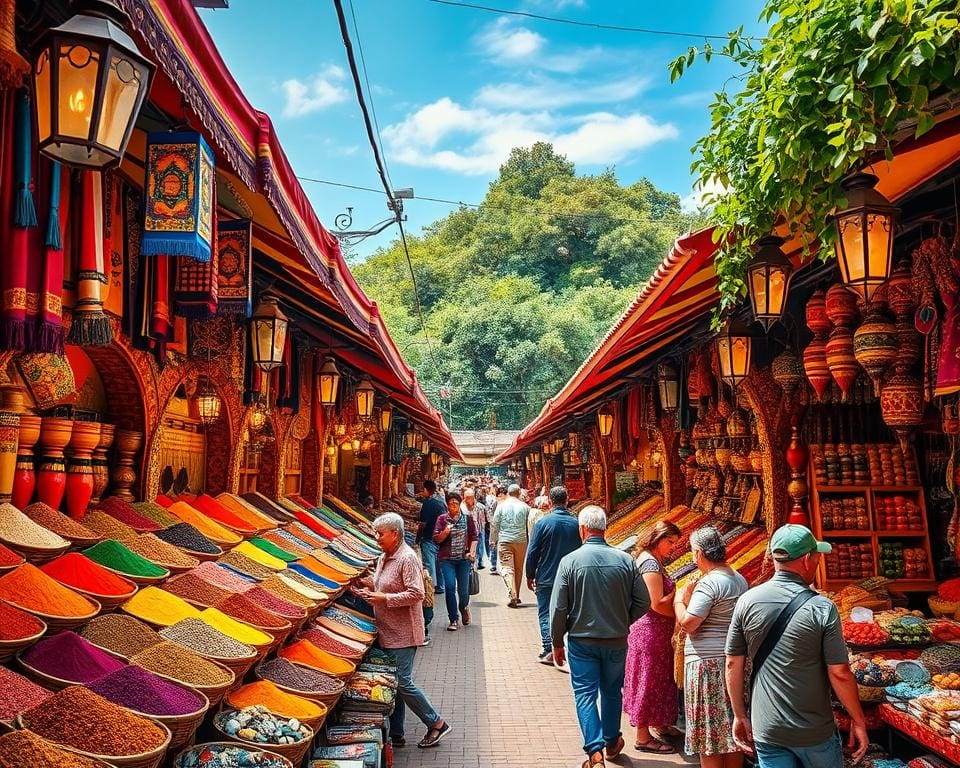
(704,610)
(649,693)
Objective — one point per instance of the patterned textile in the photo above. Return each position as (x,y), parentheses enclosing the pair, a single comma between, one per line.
(180,199)
(91,327)
(48,377)
(234,267)
(113,244)
(133,288)
(49,331)
(195,290)
(288,377)
(709,716)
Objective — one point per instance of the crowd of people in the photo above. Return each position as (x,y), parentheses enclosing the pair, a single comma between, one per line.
(759,664)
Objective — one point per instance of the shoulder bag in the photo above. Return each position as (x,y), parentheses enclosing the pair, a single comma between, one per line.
(773,636)
(474,579)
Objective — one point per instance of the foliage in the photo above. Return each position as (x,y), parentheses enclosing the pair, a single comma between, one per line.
(825,93)
(516,292)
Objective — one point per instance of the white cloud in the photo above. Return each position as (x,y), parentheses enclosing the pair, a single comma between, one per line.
(548,93)
(476,140)
(318,92)
(701,194)
(508,44)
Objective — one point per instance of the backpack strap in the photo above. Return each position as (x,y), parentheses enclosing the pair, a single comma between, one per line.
(775,632)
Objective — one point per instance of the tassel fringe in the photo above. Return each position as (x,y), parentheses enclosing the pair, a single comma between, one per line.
(13,335)
(49,338)
(161,246)
(25,211)
(53,239)
(90,329)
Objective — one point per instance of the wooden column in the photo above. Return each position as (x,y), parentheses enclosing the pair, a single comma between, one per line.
(674,487)
(376,471)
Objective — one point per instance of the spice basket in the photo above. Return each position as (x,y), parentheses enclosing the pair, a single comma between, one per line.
(203,556)
(359,649)
(316,723)
(107,651)
(182,728)
(82,542)
(36,555)
(293,752)
(214,693)
(10,648)
(175,569)
(42,678)
(151,759)
(13,566)
(345,631)
(62,623)
(329,700)
(239,666)
(107,602)
(189,757)
(141,581)
(941,607)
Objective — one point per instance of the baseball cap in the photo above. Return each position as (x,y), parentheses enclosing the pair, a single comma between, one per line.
(790,542)
(514,488)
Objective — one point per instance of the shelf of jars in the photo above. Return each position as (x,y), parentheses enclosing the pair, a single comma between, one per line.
(725,473)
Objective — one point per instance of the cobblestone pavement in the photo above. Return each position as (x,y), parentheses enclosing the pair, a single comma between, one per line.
(507,711)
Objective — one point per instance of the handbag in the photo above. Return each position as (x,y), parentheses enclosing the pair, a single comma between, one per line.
(474,580)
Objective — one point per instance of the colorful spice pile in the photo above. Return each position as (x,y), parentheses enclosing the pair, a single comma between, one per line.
(158,607)
(271,602)
(8,557)
(204,524)
(30,588)
(79,572)
(121,634)
(119,509)
(153,511)
(284,591)
(258,725)
(187,537)
(282,672)
(236,629)
(70,657)
(191,587)
(228,756)
(240,562)
(287,543)
(266,694)
(216,511)
(59,523)
(325,642)
(172,660)
(222,577)
(18,530)
(108,527)
(16,624)
(199,636)
(24,749)
(79,718)
(306,653)
(135,688)
(258,555)
(113,554)
(302,586)
(160,552)
(242,608)
(18,694)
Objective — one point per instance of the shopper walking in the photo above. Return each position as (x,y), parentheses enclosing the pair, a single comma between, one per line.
(478,512)
(430,510)
(541,507)
(456,535)
(509,531)
(794,639)
(397,599)
(597,594)
(704,609)
(649,692)
(554,537)
(490,502)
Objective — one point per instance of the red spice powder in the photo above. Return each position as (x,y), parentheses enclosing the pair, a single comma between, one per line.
(8,557)
(239,607)
(76,570)
(16,624)
(119,509)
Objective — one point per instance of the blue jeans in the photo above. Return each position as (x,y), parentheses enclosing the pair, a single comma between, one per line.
(491,551)
(543,615)
(597,671)
(428,551)
(456,575)
(408,693)
(828,754)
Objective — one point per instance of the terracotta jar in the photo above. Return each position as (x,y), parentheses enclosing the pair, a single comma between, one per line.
(9,439)
(52,474)
(25,477)
(101,464)
(79,488)
(815,366)
(126,444)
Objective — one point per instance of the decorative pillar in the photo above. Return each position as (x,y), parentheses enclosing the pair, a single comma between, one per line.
(376,471)
(674,486)
(796,456)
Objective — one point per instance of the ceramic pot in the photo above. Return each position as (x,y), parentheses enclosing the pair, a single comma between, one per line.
(101,465)
(816,315)
(14,399)
(901,405)
(796,452)
(899,288)
(52,472)
(841,360)
(79,487)
(9,439)
(815,366)
(126,444)
(841,306)
(875,345)
(25,476)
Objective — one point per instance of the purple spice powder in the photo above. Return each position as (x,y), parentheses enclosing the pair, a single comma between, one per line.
(136,688)
(70,657)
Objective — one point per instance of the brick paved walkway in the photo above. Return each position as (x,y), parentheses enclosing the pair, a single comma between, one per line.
(507,711)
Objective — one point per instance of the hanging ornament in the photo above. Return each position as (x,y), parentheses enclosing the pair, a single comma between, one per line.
(815,366)
(875,344)
(816,315)
(901,405)
(840,307)
(787,371)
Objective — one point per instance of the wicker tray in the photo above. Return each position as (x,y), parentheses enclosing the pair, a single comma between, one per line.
(181,760)
(214,693)
(293,752)
(107,602)
(183,728)
(57,624)
(42,678)
(345,631)
(239,666)
(37,555)
(316,723)
(327,699)
(151,759)
(10,648)
(142,581)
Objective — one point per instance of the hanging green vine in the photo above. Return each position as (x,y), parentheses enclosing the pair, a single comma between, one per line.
(824,93)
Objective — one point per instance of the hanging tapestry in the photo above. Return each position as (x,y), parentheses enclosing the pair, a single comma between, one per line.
(234,267)
(113,242)
(180,197)
(195,288)
(134,307)
(288,377)
(90,327)
(49,335)
(48,377)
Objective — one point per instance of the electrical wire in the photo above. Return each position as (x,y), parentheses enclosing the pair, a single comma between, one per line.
(575,23)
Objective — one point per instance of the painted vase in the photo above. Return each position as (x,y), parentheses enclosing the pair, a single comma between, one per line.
(901,404)
(101,464)
(875,345)
(9,439)
(52,472)
(816,314)
(841,360)
(815,366)
(899,289)
(796,452)
(840,306)
(126,444)
(25,477)
(787,370)
(79,488)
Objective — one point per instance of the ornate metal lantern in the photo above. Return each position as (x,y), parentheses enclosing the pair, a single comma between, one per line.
(328,383)
(768,280)
(734,347)
(268,334)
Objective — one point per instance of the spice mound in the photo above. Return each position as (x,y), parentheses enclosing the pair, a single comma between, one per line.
(182,664)
(108,526)
(306,653)
(24,749)
(80,572)
(113,554)
(16,624)
(17,694)
(160,552)
(258,725)
(187,537)
(244,609)
(325,642)
(228,756)
(199,636)
(121,634)
(223,577)
(155,606)
(238,630)
(18,530)
(126,514)
(270,602)
(153,511)
(79,718)
(29,587)
(59,523)
(289,675)
(69,657)
(266,694)
(135,688)
(192,587)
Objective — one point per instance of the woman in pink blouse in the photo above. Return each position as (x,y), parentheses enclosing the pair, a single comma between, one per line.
(397,600)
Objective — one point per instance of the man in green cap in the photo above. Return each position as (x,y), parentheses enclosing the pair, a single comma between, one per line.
(794,640)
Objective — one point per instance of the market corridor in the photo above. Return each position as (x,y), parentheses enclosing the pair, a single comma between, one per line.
(507,711)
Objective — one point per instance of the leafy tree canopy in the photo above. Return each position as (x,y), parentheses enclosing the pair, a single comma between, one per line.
(517,291)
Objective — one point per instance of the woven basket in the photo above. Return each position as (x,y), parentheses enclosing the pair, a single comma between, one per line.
(14,566)
(345,631)
(203,556)
(185,758)
(359,648)
(175,569)
(316,723)
(42,678)
(870,694)
(82,542)
(10,648)
(36,555)
(107,602)
(239,666)
(142,581)
(112,653)
(151,759)
(57,624)
(941,607)
(183,728)
(293,752)
(327,699)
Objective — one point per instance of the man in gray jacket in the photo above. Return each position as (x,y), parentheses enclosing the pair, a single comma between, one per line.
(597,594)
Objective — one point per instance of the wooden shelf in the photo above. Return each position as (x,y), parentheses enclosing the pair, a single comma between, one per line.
(914,534)
(864,488)
(850,533)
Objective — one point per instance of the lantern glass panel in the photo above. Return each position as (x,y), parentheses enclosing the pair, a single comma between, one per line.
(734,354)
(41,79)
(605,422)
(386,418)
(79,69)
(329,382)
(123,85)
(365,396)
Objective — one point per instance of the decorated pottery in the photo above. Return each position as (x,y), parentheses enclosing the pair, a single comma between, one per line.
(899,288)
(841,360)
(901,404)
(79,487)
(9,439)
(101,466)
(815,366)
(25,476)
(816,315)
(126,443)
(840,306)
(787,370)
(52,473)
(875,345)
(796,454)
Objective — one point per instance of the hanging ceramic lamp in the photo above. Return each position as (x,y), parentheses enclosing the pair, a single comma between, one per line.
(875,344)
(815,366)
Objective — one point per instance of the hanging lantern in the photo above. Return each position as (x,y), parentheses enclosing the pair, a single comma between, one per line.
(418,441)
(208,403)
(768,280)
(331,449)
(557,445)
(329,383)
(385,419)
(668,382)
(364,394)
(268,334)
(787,371)
(410,439)
(526,461)
(864,235)
(258,417)
(734,347)
(426,446)
(605,422)
(89,82)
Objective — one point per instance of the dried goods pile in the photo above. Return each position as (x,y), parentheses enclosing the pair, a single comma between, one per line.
(159,551)
(126,514)
(271,602)
(266,694)
(246,566)
(191,587)
(206,640)
(30,588)
(244,633)
(113,554)
(222,577)
(18,694)
(108,527)
(121,634)
(156,606)
(187,537)
(24,749)
(80,572)
(172,660)
(242,608)
(228,756)
(18,530)
(325,642)
(306,653)
(153,511)
(142,691)
(70,657)
(8,557)
(16,624)
(256,724)
(59,523)
(289,675)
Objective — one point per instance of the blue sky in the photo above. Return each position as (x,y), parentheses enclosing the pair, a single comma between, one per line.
(455,89)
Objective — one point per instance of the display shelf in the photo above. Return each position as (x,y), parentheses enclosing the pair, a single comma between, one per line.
(896,534)
(867,487)
(918,732)
(852,533)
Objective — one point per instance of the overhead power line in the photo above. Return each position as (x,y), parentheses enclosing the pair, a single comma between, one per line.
(577,23)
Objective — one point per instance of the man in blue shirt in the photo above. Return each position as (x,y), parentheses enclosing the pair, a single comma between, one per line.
(430,510)
(555,535)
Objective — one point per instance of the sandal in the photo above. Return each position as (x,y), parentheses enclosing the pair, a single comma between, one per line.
(398,741)
(434,735)
(594,761)
(654,746)
(452,626)
(614,750)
